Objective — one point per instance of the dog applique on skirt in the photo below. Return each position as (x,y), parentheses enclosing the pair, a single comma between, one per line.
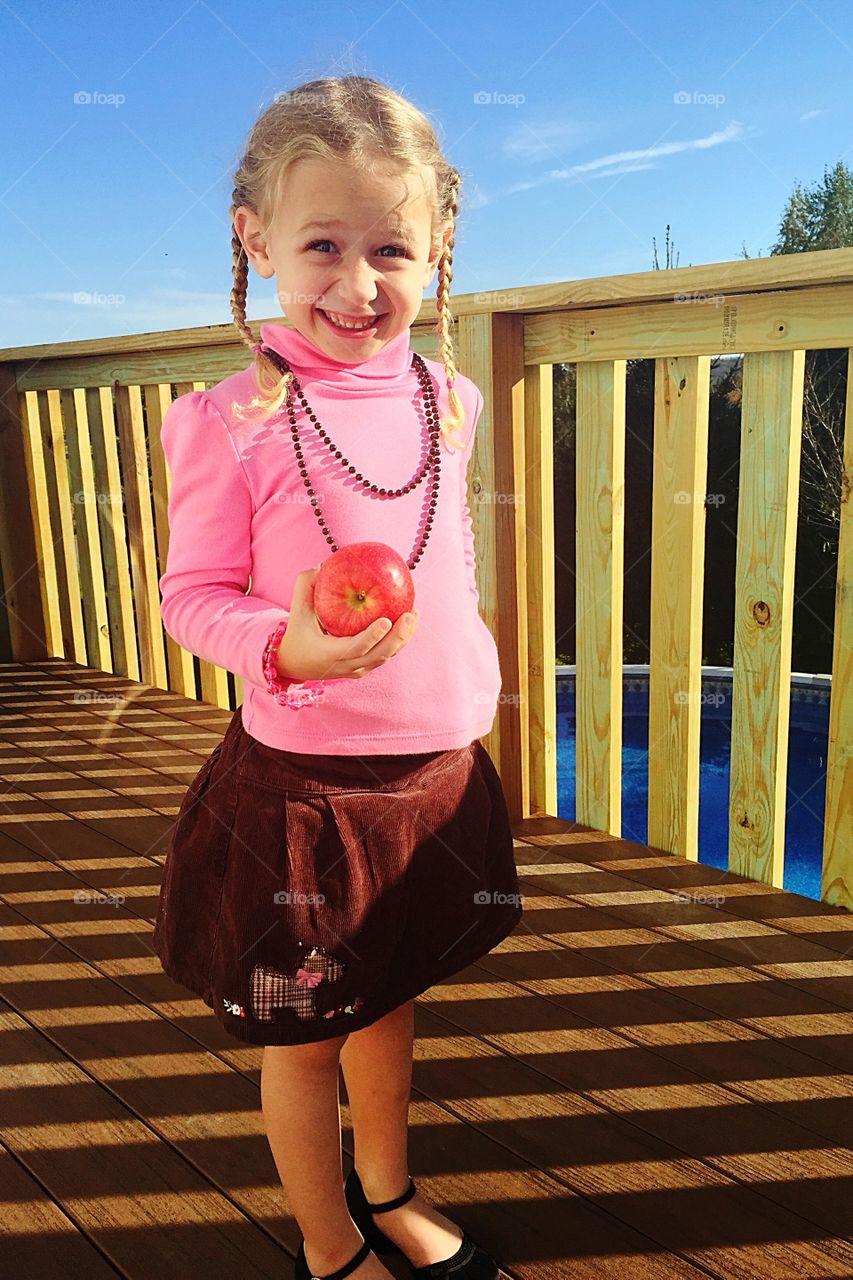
(306,896)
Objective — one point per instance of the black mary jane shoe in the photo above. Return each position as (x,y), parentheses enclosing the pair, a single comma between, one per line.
(303,1272)
(469,1262)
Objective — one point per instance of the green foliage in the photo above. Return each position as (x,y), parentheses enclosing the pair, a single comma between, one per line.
(820,217)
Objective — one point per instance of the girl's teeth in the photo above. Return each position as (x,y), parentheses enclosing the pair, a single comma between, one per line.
(349,324)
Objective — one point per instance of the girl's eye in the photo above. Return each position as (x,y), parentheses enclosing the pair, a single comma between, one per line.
(400,249)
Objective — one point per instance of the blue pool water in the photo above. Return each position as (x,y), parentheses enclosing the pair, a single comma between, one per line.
(806,790)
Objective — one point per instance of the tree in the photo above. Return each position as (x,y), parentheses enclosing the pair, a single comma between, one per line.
(821,217)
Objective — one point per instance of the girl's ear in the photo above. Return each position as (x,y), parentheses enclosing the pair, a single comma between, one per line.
(435,254)
(248,228)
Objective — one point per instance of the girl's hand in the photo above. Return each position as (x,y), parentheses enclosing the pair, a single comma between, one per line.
(307,652)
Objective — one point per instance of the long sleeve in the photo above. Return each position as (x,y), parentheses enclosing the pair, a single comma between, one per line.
(204,602)
(467,528)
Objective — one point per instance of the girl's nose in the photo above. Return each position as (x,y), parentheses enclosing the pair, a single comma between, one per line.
(357,285)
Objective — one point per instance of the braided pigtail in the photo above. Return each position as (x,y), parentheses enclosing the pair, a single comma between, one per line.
(274,386)
(452,425)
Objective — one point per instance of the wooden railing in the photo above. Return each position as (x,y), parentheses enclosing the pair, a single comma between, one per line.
(81,568)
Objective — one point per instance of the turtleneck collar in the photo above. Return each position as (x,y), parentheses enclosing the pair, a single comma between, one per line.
(312,364)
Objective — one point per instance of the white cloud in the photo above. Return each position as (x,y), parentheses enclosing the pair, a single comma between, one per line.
(623,161)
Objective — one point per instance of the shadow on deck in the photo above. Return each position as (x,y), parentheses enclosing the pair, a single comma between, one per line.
(644,1080)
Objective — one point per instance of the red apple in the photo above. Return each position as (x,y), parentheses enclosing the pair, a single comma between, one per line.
(358,584)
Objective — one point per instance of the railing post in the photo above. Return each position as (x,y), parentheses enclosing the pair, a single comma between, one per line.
(491,350)
(18,558)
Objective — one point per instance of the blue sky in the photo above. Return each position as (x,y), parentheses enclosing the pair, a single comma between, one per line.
(580,127)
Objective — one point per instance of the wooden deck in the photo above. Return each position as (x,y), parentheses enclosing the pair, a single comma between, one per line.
(643,1081)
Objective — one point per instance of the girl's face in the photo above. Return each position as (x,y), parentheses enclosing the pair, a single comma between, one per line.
(348,245)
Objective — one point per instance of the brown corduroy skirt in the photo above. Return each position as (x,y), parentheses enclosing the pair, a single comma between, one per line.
(306,896)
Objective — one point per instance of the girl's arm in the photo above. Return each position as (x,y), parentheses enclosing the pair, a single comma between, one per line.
(204,603)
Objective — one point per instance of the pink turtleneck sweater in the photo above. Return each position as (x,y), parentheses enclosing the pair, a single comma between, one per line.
(239,509)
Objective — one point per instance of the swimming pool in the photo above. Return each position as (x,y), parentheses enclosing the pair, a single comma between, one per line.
(806,788)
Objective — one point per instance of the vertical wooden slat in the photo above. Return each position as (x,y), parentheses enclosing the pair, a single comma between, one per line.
(107,473)
(541,629)
(837,875)
(214,685)
(41,437)
(75,637)
(771,436)
(600,566)
(84,498)
(158,399)
(140,527)
(45,520)
(682,393)
(26,545)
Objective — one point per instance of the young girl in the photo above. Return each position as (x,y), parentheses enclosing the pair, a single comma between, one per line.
(347,845)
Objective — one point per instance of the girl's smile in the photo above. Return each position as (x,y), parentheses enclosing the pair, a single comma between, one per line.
(358,331)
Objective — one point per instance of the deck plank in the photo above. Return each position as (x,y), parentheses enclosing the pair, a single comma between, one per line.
(630,1085)
(43,1241)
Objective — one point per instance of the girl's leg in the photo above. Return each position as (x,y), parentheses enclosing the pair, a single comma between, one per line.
(301,1109)
(377,1067)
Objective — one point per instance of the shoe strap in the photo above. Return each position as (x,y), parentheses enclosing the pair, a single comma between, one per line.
(395,1203)
(355,1261)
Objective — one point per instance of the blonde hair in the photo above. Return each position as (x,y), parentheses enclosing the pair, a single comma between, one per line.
(356,119)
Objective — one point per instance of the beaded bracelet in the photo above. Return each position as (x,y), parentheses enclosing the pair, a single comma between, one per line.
(288,693)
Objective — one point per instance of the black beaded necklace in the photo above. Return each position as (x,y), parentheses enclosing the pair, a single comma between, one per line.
(433,462)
